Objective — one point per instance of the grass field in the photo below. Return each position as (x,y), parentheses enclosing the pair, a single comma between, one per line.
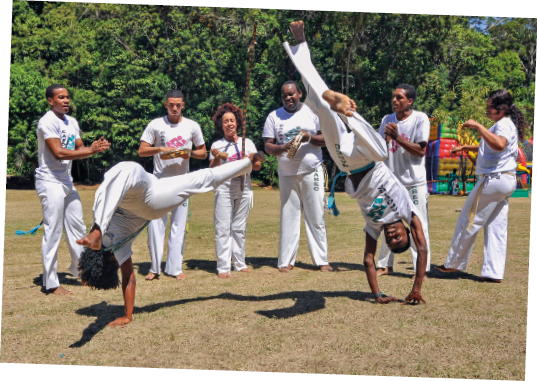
(303,321)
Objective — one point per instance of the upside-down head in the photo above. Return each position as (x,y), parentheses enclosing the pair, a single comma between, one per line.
(397,237)
(98,269)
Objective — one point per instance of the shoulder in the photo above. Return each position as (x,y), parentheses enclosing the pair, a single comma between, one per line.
(191,123)
(156,123)
(217,143)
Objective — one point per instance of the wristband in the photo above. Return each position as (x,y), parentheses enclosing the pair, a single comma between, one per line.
(379,294)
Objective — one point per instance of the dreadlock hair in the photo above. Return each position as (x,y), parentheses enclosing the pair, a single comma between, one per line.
(98,269)
(49,92)
(503,100)
(410,92)
(404,248)
(225,108)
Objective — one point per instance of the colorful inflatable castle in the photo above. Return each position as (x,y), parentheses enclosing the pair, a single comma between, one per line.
(440,163)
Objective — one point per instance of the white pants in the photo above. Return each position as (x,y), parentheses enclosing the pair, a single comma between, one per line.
(230,216)
(176,241)
(302,194)
(420,198)
(349,150)
(62,209)
(129,196)
(491,215)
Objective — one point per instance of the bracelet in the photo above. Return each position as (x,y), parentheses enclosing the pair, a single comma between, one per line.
(309,140)
(379,294)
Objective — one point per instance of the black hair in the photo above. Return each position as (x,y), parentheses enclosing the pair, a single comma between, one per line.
(410,91)
(454,170)
(175,94)
(404,248)
(98,269)
(503,100)
(225,108)
(49,92)
(297,86)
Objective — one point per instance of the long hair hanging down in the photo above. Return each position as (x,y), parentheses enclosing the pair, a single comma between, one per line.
(503,100)
(98,269)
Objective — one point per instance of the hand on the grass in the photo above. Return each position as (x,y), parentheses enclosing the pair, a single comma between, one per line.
(119,321)
(386,299)
(414,298)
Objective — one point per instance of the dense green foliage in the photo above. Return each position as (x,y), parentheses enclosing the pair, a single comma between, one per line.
(118,61)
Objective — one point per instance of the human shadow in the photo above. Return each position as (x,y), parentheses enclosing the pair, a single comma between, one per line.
(305,302)
(437,274)
(63,279)
(201,264)
(144,267)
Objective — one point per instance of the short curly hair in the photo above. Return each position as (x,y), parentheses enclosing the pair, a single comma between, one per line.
(225,108)
(98,269)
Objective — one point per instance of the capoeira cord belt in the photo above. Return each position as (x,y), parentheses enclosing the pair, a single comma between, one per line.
(332,198)
(22,232)
(475,203)
(118,245)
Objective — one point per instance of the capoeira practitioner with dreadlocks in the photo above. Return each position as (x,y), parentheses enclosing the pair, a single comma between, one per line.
(487,205)
(165,134)
(126,201)
(383,200)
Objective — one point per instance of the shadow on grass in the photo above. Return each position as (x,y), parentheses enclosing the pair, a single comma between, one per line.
(437,274)
(64,278)
(305,302)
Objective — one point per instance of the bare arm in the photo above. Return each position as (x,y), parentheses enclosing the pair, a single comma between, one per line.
(275,149)
(416,149)
(147,149)
(128,285)
(80,152)
(200,153)
(371,271)
(416,230)
(496,142)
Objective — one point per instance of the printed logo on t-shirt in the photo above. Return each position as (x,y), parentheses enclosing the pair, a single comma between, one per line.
(395,146)
(176,142)
(235,157)
(289,135)
(377,209)
(68,142)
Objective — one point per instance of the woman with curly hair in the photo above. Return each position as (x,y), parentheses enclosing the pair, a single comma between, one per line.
(231,204)
(488,204)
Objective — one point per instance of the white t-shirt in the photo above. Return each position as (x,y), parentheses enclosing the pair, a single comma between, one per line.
(67,130)
(488,160)
(160,132)
(283,126)
(408,168)
(382,199)
(234,150)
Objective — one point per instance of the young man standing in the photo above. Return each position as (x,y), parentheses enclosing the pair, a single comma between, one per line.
(407,132)
(301,177)
(167,134)
(58,144)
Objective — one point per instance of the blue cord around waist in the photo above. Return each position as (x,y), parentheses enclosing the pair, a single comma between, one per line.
(331,197)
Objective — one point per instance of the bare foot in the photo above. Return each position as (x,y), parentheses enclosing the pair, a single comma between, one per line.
(245,270)
(119,321)
(93,239)
(60,291)
(286,269)
(444,269)
(339,102)
(326,268)
(224,275)
(485,279)
(151,276)
(414,278)
(180,276)
(384,271)
(297,28)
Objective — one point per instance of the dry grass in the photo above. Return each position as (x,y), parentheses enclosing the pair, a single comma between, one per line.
(304,321)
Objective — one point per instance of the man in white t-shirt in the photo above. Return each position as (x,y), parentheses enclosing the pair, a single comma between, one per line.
(301,178)
(407,132)
(58,143)
(164,135)
(360,153)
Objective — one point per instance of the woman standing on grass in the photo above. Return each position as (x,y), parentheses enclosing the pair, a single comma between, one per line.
(231,204)
(487,205)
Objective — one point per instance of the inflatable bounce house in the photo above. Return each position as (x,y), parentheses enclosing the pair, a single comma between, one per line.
(440,163)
